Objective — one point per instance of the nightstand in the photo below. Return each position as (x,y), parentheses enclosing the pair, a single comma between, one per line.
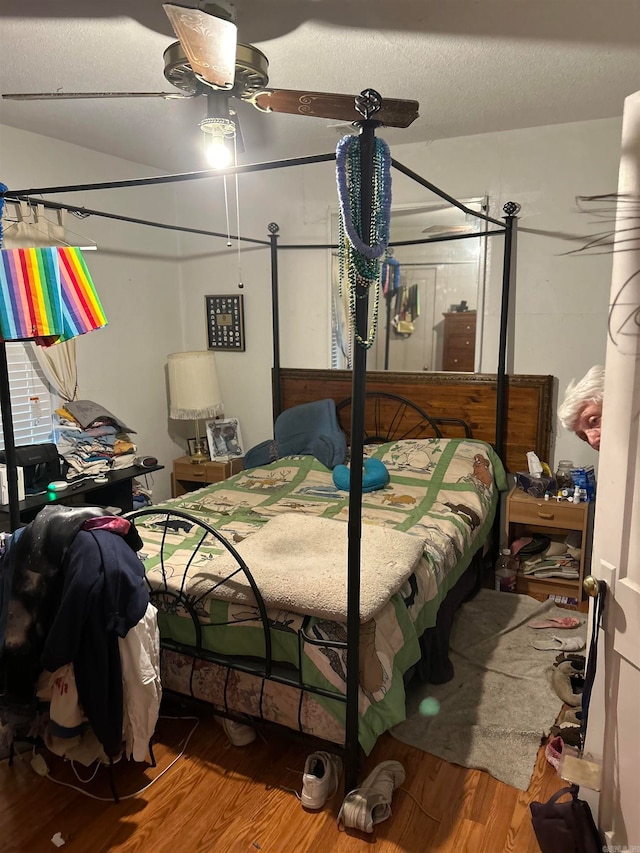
(526,516)
(187,477)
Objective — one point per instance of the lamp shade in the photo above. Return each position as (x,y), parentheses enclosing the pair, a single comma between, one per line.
(194,390)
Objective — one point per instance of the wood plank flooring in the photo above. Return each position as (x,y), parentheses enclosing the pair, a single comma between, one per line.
(222,799)
(241,800)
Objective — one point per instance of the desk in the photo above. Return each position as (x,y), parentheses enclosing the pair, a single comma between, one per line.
(117,491)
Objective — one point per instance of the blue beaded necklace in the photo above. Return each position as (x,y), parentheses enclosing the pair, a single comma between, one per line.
(359,260)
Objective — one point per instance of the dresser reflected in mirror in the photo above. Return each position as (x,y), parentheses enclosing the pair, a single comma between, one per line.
(431,293)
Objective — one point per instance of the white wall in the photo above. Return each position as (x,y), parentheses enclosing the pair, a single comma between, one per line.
(156,304)
(136,275)
(297,199)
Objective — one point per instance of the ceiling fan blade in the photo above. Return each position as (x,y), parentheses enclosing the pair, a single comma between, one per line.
(209,43)
(78,96)
(393,113)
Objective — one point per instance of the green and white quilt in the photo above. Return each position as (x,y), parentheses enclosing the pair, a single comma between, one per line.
(443,491)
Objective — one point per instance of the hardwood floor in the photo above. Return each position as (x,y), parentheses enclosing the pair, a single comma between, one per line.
(223,798)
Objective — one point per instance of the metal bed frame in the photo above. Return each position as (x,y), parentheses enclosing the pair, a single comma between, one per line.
(367,129)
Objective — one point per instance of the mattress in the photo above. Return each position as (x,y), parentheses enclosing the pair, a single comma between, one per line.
(443,491)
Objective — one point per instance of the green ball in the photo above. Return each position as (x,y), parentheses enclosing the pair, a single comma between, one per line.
(430,707)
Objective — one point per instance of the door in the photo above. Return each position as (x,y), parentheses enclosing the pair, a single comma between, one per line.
(613,730)
(414,351)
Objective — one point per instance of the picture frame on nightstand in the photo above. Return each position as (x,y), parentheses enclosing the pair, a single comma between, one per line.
(224,439)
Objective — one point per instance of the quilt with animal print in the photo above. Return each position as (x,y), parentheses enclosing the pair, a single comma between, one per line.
(443,491)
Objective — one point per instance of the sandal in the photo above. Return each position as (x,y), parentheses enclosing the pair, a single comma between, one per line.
(561,681)
(556,622)
(578,662)
(553,643)
(572,716)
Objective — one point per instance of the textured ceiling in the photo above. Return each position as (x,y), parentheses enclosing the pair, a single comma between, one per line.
(474,65)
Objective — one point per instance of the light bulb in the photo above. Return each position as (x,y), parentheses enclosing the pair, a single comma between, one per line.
(218,155)
(218,133)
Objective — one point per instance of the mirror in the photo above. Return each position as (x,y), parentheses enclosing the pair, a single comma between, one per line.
(430,302)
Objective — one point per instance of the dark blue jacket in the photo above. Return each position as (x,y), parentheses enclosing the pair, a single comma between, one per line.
(103,597)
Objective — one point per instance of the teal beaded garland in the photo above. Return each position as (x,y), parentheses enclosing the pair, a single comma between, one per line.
(360,262)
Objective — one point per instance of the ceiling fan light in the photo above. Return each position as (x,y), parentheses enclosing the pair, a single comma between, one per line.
(219,134)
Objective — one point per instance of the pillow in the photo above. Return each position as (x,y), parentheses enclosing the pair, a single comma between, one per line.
(310,429)
(375,476)
(261,454)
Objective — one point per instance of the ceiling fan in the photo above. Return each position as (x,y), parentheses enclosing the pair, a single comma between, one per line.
(209,60)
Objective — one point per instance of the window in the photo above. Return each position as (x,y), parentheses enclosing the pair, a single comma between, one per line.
(31,402)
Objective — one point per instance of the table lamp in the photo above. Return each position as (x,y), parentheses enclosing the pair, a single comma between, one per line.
(194,393)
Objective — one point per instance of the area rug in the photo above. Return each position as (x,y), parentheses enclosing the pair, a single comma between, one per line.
(500,703)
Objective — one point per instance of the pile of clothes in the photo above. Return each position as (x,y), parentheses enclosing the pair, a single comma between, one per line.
(92,440)
(79,639)
(541,557)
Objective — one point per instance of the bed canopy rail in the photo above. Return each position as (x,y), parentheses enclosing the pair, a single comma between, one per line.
(367,128)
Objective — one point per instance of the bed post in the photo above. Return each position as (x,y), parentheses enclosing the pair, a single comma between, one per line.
(275,320)
(358,391)
(9,439)
(510,209)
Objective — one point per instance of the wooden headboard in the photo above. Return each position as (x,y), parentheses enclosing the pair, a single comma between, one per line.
(471,396)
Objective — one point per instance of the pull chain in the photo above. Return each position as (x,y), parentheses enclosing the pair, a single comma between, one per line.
(235,155)
(226,209)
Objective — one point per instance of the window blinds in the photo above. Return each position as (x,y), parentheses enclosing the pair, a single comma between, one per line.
(31,403)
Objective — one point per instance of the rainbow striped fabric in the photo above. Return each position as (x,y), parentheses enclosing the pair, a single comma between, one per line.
(81,308)
(47,295)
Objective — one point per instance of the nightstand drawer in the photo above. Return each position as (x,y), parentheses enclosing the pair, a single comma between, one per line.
(188,471)
(218,471)
(547,513)
(187,476)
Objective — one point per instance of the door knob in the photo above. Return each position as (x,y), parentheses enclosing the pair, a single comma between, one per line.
(591,586)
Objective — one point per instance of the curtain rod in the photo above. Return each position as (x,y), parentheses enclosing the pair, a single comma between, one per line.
(186,176)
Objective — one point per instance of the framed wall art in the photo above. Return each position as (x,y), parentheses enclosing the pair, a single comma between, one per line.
(225,322)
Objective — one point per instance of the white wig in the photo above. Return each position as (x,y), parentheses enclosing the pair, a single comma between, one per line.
(589,388)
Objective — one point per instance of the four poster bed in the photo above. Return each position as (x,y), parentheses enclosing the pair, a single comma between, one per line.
(248,577)
(336,671)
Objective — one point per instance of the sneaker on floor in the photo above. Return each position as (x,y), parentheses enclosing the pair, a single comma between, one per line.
(320,779)
(371,802)
(238,733)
